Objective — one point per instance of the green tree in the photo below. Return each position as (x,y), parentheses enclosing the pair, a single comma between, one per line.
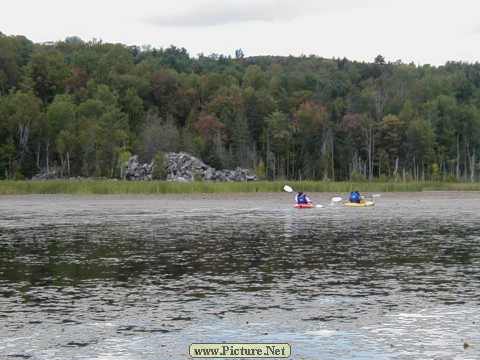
(171,95)
(391,137)
(103,133)
(47,71)
(278,142)
(240,140)
(159,171)
(158,135)
(258,105)
(113,141)
(228,107)
(14,54)
(133,106)
(67,145)
(420,144)
(469,118)
(308,136)
(214,138)
(255,78)
(60,116)
(23,113)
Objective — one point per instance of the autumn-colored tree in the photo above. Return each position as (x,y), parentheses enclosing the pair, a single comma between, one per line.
(214,138)
(293,117)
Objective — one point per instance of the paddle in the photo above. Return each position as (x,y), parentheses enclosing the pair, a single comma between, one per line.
(290,190)
(338,198)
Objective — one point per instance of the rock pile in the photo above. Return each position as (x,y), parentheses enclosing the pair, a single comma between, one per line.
(184,167)
(177,167)
(133,170)
(53,174)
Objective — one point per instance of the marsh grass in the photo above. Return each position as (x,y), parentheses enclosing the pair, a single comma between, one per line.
(88,187)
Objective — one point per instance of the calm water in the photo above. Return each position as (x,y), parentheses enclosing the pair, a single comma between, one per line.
(144,277)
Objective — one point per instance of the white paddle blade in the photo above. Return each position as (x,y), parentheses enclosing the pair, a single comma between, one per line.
(337,198)
(287,188)
(319,206)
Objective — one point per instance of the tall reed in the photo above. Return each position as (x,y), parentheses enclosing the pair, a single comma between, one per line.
(86,187)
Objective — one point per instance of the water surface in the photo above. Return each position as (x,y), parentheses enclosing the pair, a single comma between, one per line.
(137,277)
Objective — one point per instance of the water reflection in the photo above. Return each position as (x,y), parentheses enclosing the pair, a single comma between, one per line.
(128,278)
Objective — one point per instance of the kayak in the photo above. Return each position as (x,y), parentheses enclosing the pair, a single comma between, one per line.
(304,206)
(363,203)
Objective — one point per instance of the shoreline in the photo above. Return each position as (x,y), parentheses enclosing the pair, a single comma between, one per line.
(246,196)
(159,188)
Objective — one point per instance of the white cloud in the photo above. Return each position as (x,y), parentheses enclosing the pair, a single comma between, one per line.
(215,13)
(422,31)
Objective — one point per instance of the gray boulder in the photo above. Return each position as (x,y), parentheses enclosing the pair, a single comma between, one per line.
(184,167)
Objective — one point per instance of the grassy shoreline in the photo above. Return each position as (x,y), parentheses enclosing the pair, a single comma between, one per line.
(92,187)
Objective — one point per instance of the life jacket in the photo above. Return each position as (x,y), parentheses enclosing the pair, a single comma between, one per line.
(302,199)
(354,197)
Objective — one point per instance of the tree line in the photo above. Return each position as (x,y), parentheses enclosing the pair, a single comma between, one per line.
(87,107)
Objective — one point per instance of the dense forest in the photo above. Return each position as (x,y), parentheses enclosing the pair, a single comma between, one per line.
(87,107)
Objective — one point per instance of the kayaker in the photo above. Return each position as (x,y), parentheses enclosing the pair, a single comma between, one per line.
(355,196)
(301,198)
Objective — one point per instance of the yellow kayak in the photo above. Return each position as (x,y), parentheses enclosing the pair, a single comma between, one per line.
(362,203)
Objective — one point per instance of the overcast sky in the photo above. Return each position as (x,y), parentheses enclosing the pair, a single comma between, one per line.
(419,31)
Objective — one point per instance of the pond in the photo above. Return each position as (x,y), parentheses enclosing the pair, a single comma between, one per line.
(144,277)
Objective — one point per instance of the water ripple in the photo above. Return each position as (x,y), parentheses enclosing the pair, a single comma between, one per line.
(127,278)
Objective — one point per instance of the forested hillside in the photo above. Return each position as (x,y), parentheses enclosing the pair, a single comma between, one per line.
(86,107)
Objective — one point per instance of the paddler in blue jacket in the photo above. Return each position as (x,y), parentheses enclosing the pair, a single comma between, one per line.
(301,198)
(355,197)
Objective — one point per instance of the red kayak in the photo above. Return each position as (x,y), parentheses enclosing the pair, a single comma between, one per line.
(304,206)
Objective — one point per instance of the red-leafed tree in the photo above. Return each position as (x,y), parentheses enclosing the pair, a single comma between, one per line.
(211,128)
(214,139)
